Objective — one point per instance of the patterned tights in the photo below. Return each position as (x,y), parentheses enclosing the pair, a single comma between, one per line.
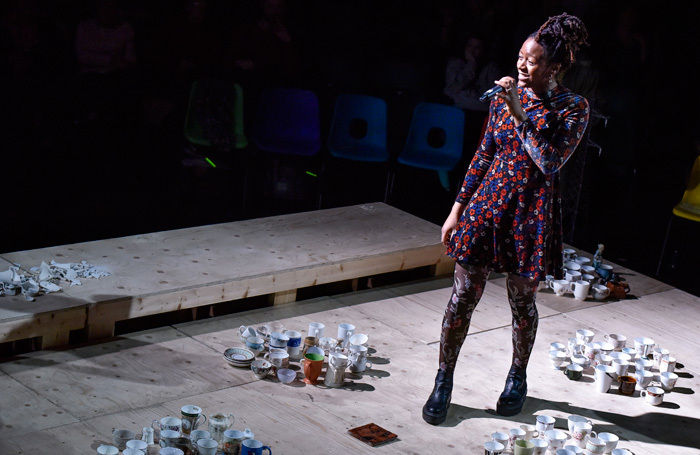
(469,282)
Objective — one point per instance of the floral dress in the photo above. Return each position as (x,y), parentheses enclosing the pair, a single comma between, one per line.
(512,219)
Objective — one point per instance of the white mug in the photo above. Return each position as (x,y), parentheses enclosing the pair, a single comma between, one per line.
(585,335)
(316,329)
(618,341)
(544,423)
(345,331)
(668,380)
(604,375)
(556,439)
(643,345)
(574,419)
(582,432)
(610,440)
(560,287)
(668,364)
(530,431)
(540,446)
(580,289)
(654,395)
(643,377)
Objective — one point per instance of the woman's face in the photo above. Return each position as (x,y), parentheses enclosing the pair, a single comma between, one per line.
(534,70)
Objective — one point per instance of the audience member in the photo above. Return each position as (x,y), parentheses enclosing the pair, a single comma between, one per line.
(263,51)
(106,58)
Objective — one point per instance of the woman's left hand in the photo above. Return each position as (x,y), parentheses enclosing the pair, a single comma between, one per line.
(511,98)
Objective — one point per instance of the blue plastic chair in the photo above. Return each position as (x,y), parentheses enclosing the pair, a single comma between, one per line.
(435,139)
(358,129)
(287,122)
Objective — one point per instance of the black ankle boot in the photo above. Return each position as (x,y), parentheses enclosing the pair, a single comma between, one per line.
(435,409)
(513,397)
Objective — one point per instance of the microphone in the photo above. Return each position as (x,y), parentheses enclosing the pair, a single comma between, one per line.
(490,93)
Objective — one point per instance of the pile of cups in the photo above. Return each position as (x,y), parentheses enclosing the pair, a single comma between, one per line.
(651,372)
(181,436)
(542,437)
(580,278)
(348,351)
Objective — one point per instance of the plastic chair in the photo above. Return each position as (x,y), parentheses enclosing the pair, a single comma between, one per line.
(358,129)
(287,122)
(435,139)
(215,115)
(287,127)
(688,207)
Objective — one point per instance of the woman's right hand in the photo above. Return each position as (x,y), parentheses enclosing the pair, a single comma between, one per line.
(448,228)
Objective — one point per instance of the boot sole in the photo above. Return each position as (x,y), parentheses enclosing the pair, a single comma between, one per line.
(434,419)
(509,411)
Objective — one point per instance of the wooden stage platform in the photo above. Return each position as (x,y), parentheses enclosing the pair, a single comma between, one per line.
(67,401)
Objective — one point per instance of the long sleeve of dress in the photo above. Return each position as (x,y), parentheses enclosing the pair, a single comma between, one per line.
(550,155)
(480,163)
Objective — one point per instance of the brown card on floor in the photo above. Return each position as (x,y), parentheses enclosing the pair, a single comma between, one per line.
(372,434)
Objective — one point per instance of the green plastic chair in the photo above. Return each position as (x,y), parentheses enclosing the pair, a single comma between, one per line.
(215,115)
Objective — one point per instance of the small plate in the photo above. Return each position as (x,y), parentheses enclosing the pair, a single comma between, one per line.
(239,355)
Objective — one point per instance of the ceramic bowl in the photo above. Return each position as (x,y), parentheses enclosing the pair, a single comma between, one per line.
(286,375)
(261,368)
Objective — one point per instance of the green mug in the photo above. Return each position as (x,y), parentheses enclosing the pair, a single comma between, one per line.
(523,447)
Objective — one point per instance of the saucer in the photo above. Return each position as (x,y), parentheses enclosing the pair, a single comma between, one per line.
(240,357)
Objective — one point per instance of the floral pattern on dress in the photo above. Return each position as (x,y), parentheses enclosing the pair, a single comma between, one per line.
(512,218)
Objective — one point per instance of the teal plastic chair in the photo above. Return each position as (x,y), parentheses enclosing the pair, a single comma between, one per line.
(435,139)
(215,115)
(358,129)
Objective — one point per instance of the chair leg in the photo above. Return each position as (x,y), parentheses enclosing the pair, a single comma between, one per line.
(663,248)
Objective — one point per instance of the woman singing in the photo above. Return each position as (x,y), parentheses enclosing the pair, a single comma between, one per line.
(507,215)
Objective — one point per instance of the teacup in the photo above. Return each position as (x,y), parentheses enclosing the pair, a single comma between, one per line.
(605,271)
(573,371)
(573,419)
(171,451)
(167,423)
(556,358)
(643,346)
(643,377)
(278,359)
(137,444)
(121,437)
(631,352)
(493,448)
(182,442)
(196,435)
(595,446)
(627,385)
(654,395)
(523,447)
(316,329)
(580,360)
(568,254)
(618,341)
(106,449)
(602,359)
(576,450)
(254,447)
(555,439)
(585,335)
(556,346)
(515,435)
(621,366)
(580,289)
(560,287)
(668,364)
(644,364)
(610,440)
(279,340)
(583,260)
(530,431)
(129,451)
(658,353)
(572,276)
(231,442)
(500,437)
(621,452)
(255,343)
(544,423)
(668,380)
(261,368)
(599,291)
(572,265)
(207,446)
(582,432)
(540,446)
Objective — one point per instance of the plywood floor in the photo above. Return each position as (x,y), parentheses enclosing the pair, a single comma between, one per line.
(68,402)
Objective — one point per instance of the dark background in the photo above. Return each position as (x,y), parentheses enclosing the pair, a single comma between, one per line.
(69,178)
